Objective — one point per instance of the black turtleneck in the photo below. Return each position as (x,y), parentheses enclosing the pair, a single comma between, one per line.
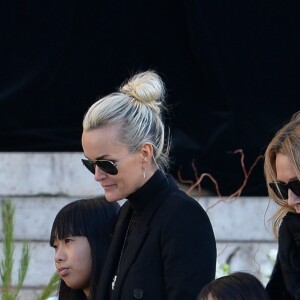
(139,200)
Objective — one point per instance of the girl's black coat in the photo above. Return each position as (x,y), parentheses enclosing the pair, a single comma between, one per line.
(172,249)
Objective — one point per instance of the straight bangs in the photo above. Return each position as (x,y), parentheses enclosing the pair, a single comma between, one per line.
(68,222)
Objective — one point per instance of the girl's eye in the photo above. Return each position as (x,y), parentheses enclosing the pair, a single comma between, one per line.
(68,240)
(55,247)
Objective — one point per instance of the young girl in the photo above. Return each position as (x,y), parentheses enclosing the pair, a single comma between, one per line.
(80,235)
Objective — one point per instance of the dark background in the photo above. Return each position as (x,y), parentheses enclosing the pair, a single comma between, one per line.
(231,69)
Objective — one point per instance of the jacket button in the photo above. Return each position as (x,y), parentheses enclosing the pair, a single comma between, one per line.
(138,293)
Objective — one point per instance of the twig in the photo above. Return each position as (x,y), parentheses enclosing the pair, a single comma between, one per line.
(233,196)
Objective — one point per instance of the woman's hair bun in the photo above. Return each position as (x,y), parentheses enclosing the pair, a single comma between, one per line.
(146,88)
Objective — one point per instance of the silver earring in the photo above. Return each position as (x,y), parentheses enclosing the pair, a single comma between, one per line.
(144,174)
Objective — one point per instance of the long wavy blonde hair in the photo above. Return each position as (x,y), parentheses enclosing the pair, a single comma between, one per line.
(286,141)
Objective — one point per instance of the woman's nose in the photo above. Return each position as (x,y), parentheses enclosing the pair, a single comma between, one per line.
(293,199)
(99,174)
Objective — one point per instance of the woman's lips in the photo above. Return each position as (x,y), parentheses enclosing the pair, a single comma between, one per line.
(107,187)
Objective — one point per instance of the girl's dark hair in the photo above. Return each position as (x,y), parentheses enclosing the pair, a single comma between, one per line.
(236,286)
(93,218)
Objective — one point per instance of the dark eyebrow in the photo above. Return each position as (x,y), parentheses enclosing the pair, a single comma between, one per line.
(291,179)
(102,157)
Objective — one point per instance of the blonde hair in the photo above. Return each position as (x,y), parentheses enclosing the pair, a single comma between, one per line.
(137,109)
(286,141)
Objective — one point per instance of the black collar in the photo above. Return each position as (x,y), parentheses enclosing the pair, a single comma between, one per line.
(139,199)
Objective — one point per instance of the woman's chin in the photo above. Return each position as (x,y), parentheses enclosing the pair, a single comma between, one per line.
(111,197)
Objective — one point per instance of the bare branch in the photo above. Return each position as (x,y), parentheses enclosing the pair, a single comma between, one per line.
(233,196)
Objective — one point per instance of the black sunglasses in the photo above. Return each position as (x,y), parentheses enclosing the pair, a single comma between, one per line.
(107,166)
(281,189)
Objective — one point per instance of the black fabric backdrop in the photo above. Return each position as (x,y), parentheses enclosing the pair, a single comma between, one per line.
(231,69)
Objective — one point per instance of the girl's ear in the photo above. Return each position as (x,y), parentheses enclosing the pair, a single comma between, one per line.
(146,152)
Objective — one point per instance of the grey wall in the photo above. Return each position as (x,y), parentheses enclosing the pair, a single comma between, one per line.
(39,184)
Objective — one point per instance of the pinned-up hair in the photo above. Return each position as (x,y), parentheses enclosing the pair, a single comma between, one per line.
(137,109)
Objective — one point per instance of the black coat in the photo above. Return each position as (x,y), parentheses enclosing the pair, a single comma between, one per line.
(172,249)
(284,283)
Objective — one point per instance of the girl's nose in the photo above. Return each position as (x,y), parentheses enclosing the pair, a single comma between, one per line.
(59,255)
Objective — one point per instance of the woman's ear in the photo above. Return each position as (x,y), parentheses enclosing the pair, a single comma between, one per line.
(146,152)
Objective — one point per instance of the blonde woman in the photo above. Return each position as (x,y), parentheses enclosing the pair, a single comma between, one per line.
(282,172)
(164,245)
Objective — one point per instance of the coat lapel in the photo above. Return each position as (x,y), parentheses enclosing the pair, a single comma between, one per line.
(140,233)
(112,259)
(139,237)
